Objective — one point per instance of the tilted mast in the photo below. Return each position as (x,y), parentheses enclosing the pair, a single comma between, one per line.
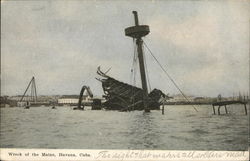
(33,95)
(137,32)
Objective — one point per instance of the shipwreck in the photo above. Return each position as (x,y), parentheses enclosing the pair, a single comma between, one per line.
(125,97)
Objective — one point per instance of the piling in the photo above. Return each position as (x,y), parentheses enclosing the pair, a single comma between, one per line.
(245,108)
(225,108)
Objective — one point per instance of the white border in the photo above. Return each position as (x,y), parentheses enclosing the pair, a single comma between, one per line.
(120,155)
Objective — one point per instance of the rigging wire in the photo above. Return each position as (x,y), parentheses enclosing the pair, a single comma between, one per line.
(133,70)
(135,62)
(146,66)
(32,92)
(164,70)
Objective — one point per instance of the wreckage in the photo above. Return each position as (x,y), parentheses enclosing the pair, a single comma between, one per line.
(125,97)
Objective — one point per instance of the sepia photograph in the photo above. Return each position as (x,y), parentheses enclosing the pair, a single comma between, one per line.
(125,75)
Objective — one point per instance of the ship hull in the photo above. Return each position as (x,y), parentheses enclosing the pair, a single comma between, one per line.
(125,97)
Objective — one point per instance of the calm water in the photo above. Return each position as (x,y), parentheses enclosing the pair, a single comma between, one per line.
(181,128)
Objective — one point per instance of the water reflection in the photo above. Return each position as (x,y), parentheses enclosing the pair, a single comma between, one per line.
(143,131)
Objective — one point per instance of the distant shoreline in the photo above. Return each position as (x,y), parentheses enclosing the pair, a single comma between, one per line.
(89,104)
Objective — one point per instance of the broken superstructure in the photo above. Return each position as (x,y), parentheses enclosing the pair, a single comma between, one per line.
(125,97)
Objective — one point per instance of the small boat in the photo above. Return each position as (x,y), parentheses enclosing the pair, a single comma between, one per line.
(27,107)
(77,108)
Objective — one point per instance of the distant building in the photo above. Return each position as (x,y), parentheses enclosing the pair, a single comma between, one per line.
(204,100)
(40,98)
(67,100)
(199,99)
(73,99)
(181,98)
(22,104)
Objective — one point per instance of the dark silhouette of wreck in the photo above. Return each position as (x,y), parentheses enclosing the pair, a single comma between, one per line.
(125,97)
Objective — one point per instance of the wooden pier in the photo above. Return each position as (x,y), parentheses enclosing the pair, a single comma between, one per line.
(225,103)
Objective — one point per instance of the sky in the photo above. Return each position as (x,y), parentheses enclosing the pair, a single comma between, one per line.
(203,45)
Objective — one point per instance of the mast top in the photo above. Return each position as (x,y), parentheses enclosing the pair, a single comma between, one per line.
(136,18)
(137,31)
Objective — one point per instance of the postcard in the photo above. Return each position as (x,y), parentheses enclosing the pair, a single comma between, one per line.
(124,80)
